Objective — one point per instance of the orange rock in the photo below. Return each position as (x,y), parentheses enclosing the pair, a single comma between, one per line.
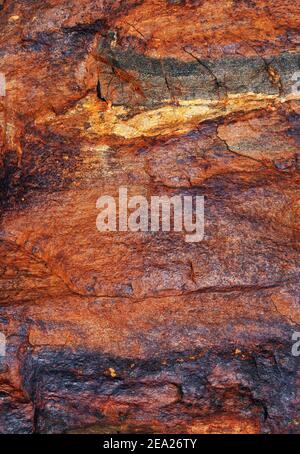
(142,331)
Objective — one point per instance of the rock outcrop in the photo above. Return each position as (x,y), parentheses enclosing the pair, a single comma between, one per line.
(142,332)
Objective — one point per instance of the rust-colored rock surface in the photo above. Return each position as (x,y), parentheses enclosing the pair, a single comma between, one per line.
(145,332)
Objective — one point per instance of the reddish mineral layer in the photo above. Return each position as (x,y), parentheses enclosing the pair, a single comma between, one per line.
(141,331)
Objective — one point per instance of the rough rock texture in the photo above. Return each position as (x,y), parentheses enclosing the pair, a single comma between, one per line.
(143,332)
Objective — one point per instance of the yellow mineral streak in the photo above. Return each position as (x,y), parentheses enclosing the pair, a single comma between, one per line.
(169,119)
(13,19)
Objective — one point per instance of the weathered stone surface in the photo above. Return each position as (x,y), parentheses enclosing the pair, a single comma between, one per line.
(135,332)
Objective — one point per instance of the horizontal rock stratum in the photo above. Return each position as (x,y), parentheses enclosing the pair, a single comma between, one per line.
(135,331)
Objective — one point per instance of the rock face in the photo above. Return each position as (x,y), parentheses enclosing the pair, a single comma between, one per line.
(142,332)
